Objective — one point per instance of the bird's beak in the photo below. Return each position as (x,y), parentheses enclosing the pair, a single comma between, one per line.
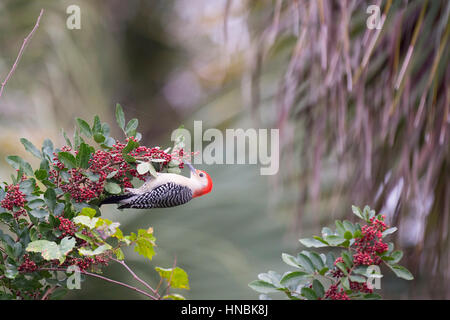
(191,167)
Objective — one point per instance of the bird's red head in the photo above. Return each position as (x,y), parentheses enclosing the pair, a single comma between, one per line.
(206,183)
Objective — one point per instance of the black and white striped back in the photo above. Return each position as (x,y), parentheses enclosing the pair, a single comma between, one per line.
(163,196)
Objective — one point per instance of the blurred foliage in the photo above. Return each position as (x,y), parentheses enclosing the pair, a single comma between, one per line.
(310,68)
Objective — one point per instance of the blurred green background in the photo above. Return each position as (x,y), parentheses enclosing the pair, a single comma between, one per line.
(362,113)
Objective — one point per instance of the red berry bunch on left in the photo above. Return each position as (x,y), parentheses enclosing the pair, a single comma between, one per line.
(27,265)
(67,227)
(14,200)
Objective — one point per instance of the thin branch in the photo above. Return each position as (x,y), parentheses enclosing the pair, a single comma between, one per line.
(106,279)
(48,292)
(24,45)
(136,277)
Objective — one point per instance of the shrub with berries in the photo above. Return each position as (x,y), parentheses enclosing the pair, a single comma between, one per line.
(352,273)
(53,218)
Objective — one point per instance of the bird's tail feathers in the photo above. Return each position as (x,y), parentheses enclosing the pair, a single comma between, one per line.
(116,199)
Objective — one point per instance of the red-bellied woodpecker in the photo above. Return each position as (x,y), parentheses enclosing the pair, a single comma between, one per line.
(167,190)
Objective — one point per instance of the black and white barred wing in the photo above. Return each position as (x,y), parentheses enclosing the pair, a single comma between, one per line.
(163,196)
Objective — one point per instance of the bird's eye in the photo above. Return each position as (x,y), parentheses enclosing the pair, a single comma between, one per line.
(201,175)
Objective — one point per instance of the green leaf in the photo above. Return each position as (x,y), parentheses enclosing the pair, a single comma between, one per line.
(309,293)
(69,143)
(99,250)
(85,129)
(86,221)
(143,168)
(357,211)
(318,288)
(262,286)
(345,283)
(316,260)
(347,259)
(31,148)
(305,262)
(120,117)
(41,174)
(119,254)
(349,226)
(97,126)
(396,257)
(11,271)
(51,250)
(311,242)
(50,199)
(177,278)
(113,188)
(348,235)
(39,213)
(389,231)
(83,156)
(359,279)
(401,272)
(342,267)
(289,260)
(47,149)
(131,127)
(292,276)
(67,159)
(145,242)
(89,212)
(335,240)
(340,227)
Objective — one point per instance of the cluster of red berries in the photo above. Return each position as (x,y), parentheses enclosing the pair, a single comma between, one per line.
(67,227)
(333,294)
(106,164)
(27,265)
(368,247)
(370,244)
(84,263)
(14,200)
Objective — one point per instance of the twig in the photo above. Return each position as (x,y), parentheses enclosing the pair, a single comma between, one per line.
(106,279)
(25,43)
(48,292)
(136,277)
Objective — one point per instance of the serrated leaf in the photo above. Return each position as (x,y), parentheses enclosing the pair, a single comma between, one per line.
(347,259)
(86,221)
(31,148)
(340,227)
(41,174)
(177,277)
(69,143)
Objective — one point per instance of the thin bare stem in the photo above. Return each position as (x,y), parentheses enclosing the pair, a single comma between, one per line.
(136,277)
(106,279)
(22,49)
